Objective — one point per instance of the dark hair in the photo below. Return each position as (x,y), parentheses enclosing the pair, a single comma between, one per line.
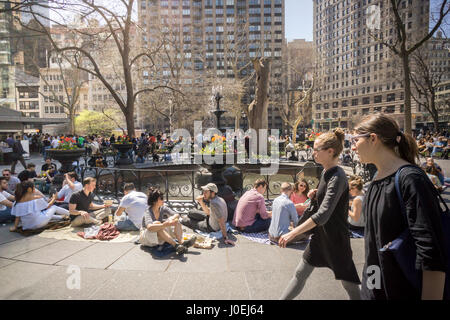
(297,184)
(387,131)
(154,195)
(8,170)
(334,140)
(88,180)
(22,189)
(73,174)
(129,186)
(31,165)
(3,178)
(260,182)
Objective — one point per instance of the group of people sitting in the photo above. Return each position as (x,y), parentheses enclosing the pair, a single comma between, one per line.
(251,215)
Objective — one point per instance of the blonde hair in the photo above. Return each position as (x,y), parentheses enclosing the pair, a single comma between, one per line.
(333,140)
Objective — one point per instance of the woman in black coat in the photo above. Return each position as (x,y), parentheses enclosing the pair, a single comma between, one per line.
(330,242)
(379,141)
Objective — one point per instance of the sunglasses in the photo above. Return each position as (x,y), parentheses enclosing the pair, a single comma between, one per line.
(302,185)
(319,149)
(355,139)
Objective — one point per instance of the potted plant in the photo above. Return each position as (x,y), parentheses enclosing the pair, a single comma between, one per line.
(123,146)
(66,153)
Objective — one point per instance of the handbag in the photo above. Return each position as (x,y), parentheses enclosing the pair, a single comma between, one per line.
(403,247)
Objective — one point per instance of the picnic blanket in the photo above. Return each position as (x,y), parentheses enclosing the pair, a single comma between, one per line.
(52,225)
(218,234)
(70,233)
(260,237)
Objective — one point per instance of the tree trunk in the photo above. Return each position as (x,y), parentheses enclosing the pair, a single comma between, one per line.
(294,133)
(406,77)
(129,118)
(258,109)
(72,122)
(434,113)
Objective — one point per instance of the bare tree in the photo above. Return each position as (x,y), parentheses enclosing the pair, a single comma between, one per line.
(297,109)
(403,46)
(425,83)
(118,29)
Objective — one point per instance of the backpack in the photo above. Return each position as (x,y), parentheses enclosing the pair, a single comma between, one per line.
(403,247)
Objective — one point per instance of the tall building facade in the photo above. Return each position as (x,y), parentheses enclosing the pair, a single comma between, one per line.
(357,75)
(219,38)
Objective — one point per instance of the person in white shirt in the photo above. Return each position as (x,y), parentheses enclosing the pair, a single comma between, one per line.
(55,143)
(134,204)
(6,202)
(70,186)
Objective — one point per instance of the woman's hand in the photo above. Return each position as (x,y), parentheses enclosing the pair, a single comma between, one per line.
(13,229)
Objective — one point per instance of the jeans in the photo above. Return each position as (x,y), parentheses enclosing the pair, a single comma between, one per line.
(126,225)
(259,225)
(5,216)
(197,220)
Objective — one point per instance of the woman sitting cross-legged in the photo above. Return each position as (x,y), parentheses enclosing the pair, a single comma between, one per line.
(161,224)
(32,210)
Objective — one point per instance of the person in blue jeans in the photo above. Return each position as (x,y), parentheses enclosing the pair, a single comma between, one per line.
(6,202)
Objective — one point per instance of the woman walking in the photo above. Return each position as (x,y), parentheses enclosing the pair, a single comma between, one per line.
(330,243)
(378,140)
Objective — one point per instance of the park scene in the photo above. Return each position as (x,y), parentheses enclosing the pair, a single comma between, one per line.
(224,150)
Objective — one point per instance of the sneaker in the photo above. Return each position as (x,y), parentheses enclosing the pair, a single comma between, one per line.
(190,242)
(180,249)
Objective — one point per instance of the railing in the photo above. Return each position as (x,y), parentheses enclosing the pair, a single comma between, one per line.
(182,185)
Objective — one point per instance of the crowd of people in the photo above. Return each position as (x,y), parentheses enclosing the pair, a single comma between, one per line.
(325,214)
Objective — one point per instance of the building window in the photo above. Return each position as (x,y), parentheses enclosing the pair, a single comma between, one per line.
(377,99)
(390,97)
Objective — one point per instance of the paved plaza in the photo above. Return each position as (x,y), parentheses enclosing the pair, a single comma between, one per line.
(40,268)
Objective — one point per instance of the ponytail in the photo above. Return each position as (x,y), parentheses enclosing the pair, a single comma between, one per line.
(407,148)
(390,135)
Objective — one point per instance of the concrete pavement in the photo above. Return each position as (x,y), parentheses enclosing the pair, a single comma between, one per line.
(41,268)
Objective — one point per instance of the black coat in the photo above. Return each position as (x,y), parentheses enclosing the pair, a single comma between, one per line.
(330,243)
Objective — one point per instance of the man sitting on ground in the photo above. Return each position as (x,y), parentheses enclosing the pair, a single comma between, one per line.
(6,202)
(12,180)
(70,186)
(134,204)
(29,173)
(251,215)
(210,219)
(82,210)
(48,165)
(283,213)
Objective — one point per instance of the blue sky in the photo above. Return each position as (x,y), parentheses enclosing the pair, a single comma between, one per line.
(299,19)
